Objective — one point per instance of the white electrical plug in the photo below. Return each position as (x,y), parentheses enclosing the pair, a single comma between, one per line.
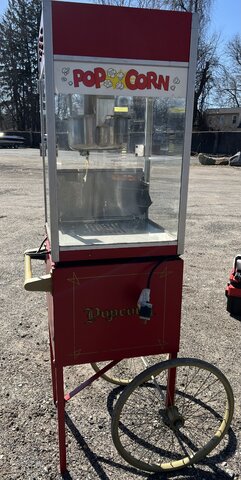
(144,305)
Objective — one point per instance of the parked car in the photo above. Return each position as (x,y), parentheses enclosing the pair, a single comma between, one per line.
(10,141)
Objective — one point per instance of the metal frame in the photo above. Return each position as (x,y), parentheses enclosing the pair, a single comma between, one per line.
(187,135)
(43,147)
(50,127)
(51,133)
(152,63)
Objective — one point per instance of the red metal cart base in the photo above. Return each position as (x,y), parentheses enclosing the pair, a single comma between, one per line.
(87,326)
(60,398)
(197,375)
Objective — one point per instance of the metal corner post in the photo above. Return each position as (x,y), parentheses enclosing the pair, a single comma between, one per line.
(188,134)
(50,126)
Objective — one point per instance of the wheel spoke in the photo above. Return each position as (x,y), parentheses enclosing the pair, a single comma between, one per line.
(154,437)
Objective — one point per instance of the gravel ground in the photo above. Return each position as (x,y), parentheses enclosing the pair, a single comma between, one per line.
(29,447)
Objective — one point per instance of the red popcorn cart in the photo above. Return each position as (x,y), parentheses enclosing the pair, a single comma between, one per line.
(116,94)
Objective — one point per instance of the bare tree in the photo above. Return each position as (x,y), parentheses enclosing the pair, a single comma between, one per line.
(234,51)
(228,88)
(18,65)
(18,57)
(202,7)
(207,60)
(207,65)
(228,78)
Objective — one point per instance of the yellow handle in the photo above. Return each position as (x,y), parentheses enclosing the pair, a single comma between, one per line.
(27,267)
(35,284)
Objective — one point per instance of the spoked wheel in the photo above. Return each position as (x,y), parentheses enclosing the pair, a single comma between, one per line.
(157,426)
(127,369)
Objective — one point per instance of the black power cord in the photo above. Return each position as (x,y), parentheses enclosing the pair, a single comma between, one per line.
(43,242)
(162,260)
(144,305)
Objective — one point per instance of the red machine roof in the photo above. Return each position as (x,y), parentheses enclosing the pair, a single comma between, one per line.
(119,32)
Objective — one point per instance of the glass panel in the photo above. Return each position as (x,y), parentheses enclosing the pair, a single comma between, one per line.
(119,169)
(44,148)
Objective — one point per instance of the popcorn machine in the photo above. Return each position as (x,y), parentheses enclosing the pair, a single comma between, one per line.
(116,118)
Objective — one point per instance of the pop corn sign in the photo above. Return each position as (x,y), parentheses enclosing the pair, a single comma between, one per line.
(138,80)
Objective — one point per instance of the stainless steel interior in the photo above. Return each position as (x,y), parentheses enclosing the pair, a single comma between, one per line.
(99,126)
(102,194)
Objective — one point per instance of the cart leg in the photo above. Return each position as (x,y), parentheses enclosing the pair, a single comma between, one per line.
(61,417)
(53,372)
(171,383)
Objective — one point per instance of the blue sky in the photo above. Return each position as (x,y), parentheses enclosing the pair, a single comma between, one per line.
(225,17)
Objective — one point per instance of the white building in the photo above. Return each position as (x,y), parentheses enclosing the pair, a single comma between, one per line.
(223,119)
